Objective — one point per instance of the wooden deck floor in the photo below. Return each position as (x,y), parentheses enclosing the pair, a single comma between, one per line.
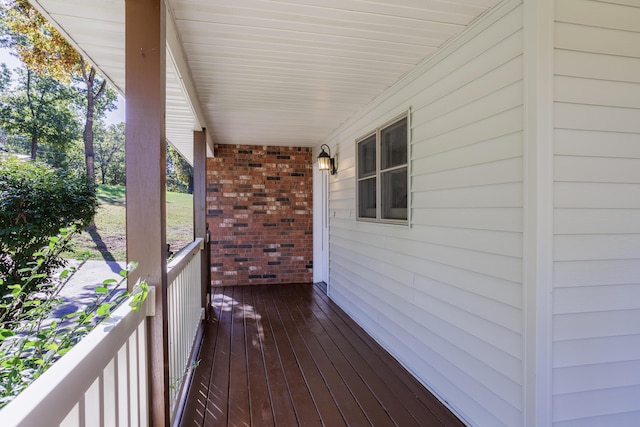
(285,355)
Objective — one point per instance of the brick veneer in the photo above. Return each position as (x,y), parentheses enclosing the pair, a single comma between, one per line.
(259,210)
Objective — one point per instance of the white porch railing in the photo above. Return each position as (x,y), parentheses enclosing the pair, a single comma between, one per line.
(185,313)
(103,380)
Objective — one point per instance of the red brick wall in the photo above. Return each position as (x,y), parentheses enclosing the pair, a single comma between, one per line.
(259,210)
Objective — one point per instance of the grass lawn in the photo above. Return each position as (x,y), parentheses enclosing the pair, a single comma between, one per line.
(108,241)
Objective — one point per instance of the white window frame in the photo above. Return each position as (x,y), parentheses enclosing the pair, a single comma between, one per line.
(378,172)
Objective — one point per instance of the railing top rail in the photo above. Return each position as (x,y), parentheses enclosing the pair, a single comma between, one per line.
(182,258)
(48,400)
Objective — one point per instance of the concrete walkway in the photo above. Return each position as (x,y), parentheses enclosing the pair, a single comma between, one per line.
(79,291)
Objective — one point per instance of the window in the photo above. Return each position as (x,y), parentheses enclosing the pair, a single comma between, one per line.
(383,174)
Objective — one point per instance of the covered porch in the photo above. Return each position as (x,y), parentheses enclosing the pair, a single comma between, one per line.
(238,73)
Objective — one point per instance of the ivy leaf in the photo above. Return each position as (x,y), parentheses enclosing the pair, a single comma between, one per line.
(104,310)
(15,290)
(6,333)
(64,351)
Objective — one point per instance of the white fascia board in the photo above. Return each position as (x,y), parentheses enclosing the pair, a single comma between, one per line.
(178,59)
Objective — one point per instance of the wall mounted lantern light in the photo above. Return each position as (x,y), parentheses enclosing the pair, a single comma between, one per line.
(325,161)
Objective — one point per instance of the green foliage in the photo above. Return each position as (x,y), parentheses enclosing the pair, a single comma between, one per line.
(37,43)
(39,108)
(32,340)
(47,53)
(35,202)
(70,157)
(139,295)
(110,152)
(107,101)
(5,77)
(113,194)
(179,172)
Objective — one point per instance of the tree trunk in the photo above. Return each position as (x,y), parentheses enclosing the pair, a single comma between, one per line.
(34,147)
(87,135)
(34,138)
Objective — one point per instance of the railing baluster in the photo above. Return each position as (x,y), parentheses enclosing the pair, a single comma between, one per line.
(185,314)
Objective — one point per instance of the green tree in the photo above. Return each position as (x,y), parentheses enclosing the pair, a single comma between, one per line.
(179,172)
(110,151)
(36,201)
(43,49)
(40,109)
(5,78)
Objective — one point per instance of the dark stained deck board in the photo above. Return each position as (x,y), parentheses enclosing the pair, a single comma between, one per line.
(353,350)
(318,372)
(201,379)
(261,412)
(293,358)
(279,394)
(239,411)
(358,405)
(423,406)
(419,399)
(306,412)
(218,396)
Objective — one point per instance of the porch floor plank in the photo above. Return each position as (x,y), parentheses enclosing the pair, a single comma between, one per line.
(293,358)
(239,410)
(299,391)
(418,401)
(261,413)
(383,385)
(318,372)
(279,393)
(201,379)
(218,395)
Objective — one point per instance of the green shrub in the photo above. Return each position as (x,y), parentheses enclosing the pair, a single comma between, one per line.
(36,201)
(31,338)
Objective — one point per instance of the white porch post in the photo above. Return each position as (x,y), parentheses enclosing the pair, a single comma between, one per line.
(145,161)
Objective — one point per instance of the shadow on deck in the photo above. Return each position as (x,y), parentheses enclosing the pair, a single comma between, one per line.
(285,355)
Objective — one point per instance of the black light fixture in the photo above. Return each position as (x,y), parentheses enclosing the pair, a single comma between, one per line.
(325,161)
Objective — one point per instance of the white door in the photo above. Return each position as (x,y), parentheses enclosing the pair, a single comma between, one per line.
(320,226)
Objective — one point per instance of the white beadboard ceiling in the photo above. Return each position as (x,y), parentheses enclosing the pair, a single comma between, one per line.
(271,72)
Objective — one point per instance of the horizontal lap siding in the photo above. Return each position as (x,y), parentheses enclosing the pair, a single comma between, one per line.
(444,295)
(596,305)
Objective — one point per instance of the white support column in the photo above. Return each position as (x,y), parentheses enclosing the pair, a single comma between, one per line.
(538,211)
(146,165)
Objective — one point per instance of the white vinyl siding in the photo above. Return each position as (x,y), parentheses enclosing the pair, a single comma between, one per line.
(596,298)
(445,295)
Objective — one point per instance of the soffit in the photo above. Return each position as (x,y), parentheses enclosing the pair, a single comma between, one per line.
(272,72)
